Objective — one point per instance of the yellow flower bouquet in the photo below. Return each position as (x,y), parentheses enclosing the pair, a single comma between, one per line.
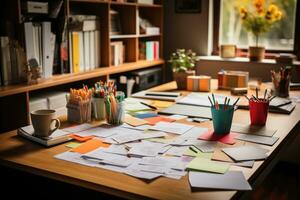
(260,17)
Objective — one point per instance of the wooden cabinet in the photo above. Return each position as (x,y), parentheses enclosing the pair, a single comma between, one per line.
(14,99)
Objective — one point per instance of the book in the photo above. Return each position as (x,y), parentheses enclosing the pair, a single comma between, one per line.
(57,137)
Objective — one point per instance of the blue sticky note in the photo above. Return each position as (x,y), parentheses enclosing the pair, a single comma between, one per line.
(145,115)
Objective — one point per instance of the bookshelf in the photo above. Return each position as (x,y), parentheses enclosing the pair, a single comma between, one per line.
(14,99)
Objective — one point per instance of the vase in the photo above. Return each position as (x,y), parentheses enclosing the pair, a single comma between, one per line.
(256,53)
(181,78)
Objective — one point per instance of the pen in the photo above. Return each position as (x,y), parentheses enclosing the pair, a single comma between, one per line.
(192,149)
(153,107)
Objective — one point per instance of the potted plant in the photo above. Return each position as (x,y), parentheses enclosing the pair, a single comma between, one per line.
(183,64)
(259,19)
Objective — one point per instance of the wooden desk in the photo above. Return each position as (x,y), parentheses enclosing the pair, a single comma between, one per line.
(24,155)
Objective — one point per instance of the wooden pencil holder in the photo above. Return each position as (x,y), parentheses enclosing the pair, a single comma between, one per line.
(79,112)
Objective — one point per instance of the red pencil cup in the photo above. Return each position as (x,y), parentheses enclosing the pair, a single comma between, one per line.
(258,111)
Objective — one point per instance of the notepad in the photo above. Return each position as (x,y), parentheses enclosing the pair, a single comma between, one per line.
(231,180)
(57,137)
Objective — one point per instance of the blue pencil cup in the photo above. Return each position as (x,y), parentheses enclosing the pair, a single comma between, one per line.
(222,119)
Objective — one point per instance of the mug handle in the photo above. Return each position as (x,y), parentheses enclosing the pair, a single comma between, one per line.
(57,125)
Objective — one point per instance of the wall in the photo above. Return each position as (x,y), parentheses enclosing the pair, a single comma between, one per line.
(189,31)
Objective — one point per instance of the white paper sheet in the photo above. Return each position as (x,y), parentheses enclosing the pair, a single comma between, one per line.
(108,158)
(176,150)
(231,180)
(176,128)
(193,133)
(75,158)
(245,153)
(258,139)
(78,128)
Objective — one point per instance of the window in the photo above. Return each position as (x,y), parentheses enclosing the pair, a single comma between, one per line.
(280,37)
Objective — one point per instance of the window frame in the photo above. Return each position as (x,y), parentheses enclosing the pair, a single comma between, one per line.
(269,53)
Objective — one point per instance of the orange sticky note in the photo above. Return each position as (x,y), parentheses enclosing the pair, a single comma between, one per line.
(154,120)
(79,138)
(90,145)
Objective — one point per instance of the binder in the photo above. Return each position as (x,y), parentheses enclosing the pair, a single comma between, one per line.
(75,50)
(92,49)
(81,52)
(31,42)
(86,42)
(6,62)
(48,39)
(70,52)
(97,49)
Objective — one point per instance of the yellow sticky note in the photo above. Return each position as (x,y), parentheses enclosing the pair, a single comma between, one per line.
(73,145)
(204,164)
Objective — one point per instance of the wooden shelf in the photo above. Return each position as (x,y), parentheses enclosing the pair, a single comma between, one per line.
(69,78)
(149,5)
(144,35)
(122,36)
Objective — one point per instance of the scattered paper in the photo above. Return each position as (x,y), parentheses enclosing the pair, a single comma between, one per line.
(75,158)
(231,180)
(176,128)
(193,133)
(99,132)
(90,146)
(258,139)
(140,128)
(204,164)
(145,115)
(205,146)
(78,128)
(252,130)
(99,156)
(245,153)
(177,117)
(176,151)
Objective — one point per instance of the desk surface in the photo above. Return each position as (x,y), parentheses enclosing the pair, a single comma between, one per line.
(22,154)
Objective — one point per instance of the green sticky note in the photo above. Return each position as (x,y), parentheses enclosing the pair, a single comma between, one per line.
(73,144)
(199,153)
(204,164)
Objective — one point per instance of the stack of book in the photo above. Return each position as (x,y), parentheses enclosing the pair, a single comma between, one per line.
(40,44)
(117,49)
(149,50)
(12,58)
(84,43)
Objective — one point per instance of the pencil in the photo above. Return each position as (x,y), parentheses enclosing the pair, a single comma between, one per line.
(272,98)
(192,149)
(265,94)
(256,91)
(213,96)
(236,102)
(210,101)
(152,107)
(246,97)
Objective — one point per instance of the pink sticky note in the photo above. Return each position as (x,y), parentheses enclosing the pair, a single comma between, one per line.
(226,139)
